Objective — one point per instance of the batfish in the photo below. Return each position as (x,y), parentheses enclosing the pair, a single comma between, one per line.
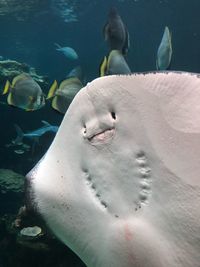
(120,184)
(164,53)
(25,93)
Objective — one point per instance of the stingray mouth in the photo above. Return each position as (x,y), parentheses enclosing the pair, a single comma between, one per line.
(101,137)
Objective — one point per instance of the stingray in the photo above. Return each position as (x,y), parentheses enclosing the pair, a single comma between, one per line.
(120,184)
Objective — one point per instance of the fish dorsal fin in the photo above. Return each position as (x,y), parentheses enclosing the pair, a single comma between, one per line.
(52,89)
(105,31)
(103,67)
(69,81)
(6,88)
(20,77)
(45,123)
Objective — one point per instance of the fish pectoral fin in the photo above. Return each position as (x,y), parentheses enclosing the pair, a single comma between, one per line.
(103,67)
(6,87)
(52,90)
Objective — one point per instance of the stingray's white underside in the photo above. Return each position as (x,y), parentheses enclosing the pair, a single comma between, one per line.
(120,185)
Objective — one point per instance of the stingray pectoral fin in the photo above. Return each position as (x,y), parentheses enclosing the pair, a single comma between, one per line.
(105,31)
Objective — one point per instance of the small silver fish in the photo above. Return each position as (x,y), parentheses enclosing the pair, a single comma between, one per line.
(164,53)
(69,52)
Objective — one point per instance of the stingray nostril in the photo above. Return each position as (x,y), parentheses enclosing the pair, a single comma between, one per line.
(84,129)
(113,115)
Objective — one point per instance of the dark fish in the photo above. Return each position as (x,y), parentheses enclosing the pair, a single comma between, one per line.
(116,33)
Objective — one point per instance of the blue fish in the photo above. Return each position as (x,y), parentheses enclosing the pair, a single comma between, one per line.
(33,135)
(67,51)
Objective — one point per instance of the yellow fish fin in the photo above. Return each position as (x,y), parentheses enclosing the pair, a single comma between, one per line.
(9,100)
(52,89)
(103,67)
(6,88)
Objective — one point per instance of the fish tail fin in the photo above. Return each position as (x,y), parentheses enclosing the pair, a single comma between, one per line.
(103,67)
(46,123)
(52,89)
(56,44)
(6,87)
(20,135)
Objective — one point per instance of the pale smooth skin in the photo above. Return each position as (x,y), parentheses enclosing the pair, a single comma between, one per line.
(120,184)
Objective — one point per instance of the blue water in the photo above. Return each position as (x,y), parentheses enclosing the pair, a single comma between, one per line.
(28,35)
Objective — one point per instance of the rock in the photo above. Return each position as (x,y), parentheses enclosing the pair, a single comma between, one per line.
(31,232)
(11,68)
(19,9)
(11,181)
(11,191)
